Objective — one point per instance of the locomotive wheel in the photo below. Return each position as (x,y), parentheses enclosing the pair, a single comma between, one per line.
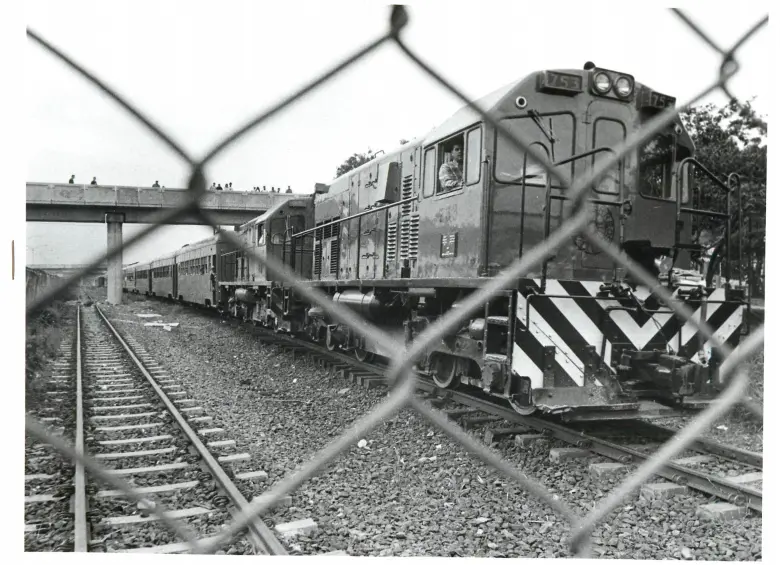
(521,409)
(445,371)
(364,356)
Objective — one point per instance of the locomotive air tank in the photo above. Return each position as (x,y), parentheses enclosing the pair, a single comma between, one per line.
(367,305)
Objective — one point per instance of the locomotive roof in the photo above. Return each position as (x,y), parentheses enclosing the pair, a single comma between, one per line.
(274,210)
(467,116)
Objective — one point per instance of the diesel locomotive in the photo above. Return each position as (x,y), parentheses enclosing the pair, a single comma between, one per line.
(578,336)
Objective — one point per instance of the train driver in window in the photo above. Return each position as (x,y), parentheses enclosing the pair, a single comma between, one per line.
(451,171)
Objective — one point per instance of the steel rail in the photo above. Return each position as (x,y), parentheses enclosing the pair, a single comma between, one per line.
(81,530)
(262,535)
(702,482)
(709,484)
(704,445)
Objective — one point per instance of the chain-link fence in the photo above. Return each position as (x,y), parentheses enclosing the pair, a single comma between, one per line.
(401,375)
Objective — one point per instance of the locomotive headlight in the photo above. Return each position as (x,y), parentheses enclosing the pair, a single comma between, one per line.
(602,83)
(623,87)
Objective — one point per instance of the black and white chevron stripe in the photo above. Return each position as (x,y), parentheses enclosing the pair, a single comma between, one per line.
(569,317)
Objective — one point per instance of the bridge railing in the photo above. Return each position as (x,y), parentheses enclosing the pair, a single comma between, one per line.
(139,197)
(400,373)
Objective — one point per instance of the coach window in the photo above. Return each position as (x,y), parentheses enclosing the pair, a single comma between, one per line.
(260,234)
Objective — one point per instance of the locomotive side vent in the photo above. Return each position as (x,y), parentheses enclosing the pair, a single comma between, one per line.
(334,256)
(318,259)
(414,235)
(406,192)
(392,241)
(405,232)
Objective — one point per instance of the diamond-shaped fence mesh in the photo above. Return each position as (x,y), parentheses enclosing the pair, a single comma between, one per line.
(401,375)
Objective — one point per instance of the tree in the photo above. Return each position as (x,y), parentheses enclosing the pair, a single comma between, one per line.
(355,161)
(730,139)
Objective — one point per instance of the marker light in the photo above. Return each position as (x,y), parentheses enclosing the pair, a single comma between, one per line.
(602,83)
(623,87)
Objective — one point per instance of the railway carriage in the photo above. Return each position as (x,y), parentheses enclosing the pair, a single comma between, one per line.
(194,265)
(577,336)
(143,278)
(163,276)
(136,279)
(128,279)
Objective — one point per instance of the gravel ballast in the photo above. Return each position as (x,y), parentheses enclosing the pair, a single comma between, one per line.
(409,490)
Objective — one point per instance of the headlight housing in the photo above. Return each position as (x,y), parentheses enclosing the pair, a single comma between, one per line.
(624,87)
(602,82)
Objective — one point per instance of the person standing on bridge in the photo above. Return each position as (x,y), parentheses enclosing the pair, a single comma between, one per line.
(289,190)
(219,187)
(156,184)
(72,179)
(94,181)
(213,186)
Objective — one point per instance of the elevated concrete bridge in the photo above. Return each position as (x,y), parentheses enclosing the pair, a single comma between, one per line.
(84,203)
(116,205)
(66,270)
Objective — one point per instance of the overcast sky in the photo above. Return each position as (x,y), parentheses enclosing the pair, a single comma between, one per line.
(201,72)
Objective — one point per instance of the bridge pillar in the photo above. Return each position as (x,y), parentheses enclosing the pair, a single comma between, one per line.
(114,267)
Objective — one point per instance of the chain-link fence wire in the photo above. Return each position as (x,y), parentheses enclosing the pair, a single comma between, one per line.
(401,375)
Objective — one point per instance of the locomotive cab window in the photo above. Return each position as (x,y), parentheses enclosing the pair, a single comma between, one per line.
(260,234)
(277,231)
(658,158)
(451,165)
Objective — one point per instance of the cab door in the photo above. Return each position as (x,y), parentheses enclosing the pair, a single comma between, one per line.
(369,226)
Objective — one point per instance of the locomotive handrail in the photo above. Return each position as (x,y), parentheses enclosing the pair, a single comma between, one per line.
(739,220)
(588,297)
(354,216)
(728,189)
(549,196)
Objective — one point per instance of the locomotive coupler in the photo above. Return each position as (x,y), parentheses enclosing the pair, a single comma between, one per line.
(671,375)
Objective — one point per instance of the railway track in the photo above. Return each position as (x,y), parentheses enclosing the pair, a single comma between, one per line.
(48,480)
(719,470)
(132,418)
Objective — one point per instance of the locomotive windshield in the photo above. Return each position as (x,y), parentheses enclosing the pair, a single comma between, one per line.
(550,135)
